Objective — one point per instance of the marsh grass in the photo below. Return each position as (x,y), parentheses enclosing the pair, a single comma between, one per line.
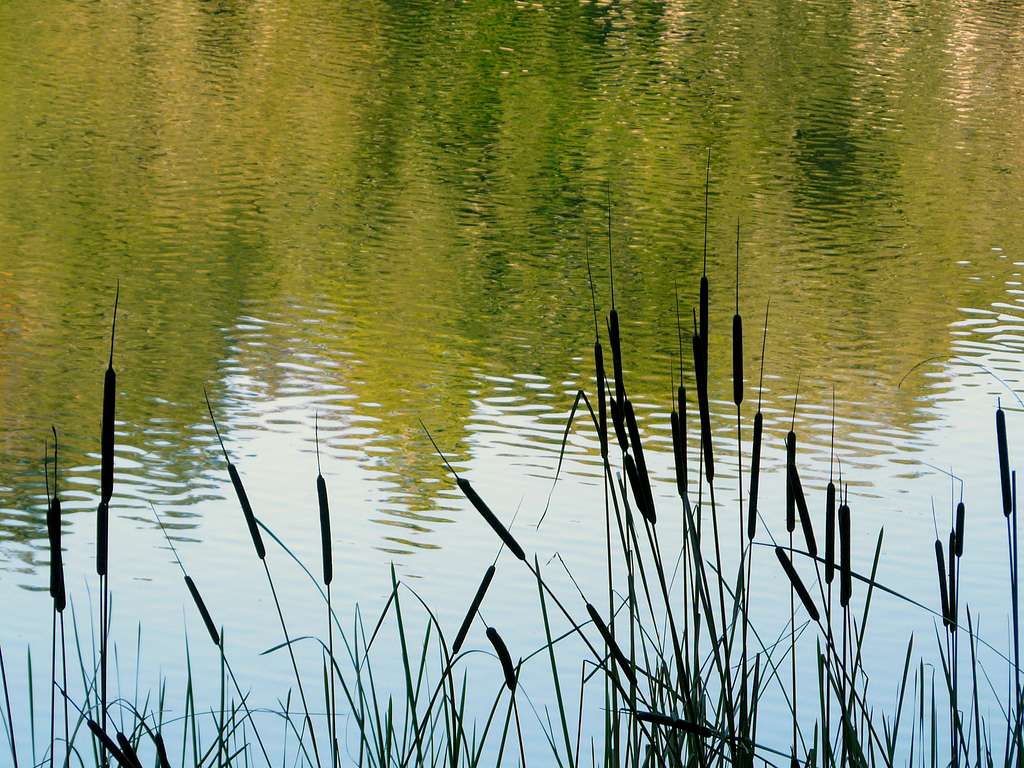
(674,679)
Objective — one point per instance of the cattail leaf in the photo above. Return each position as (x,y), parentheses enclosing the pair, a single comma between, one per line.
(491,519)
(474,606)
(678,723)
(511,678)
(798,584)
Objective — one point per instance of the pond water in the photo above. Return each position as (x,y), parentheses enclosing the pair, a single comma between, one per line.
(375,214)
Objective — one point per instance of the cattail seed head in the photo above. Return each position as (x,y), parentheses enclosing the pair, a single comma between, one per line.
(203,611)
(961,514)
(613,647)
(325,529)
(790,493)
(737,359)
(797,582)
(801,506)
(511,678)
(845,566)
(830,532)
(755,475)
(250,518)
(602,414)
(940,563)
(1004,461)
(485,512)
(474,606)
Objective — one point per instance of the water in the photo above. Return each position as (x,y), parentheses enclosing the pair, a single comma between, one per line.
(378,214)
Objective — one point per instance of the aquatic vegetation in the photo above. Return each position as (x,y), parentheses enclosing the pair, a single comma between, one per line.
(681,669)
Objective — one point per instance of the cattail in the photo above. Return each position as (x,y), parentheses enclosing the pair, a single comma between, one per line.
(128,750)
(801,506)
(503,656)
(236,481)
(1004,461)
(109,744)
(325,512)
(952,580)
(678,454)
(755,458)
(797,582)
(737,334)
(107,452)
(755,472)
(683,442)
(704,319)
(700,365)
(474,606)
(790,493)
(641,464)
(491,519)
(737,359)
(619,423)
(830,532)
(53,532)
(940,563)
(325,528)
(639,492)
(613,648)
(203,611)
(961,513)
(613,318)
(678,723)
(704,274)
(250,518)
(161,750)
(845,571)
(602,415)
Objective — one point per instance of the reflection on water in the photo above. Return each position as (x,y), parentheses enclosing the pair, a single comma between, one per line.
(377,213)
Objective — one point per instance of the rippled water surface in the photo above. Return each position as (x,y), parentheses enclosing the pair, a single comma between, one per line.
(376,214)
